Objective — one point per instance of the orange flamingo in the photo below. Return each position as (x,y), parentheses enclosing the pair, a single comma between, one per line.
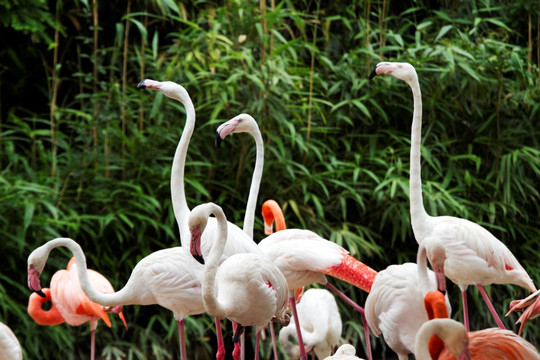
(73,304)
(41,316)
(487,344)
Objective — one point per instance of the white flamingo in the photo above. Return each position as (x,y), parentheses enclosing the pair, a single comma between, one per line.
(473,255)
(169,278)
(304,257)
(450,331)
(344,352)
(246,288)
(320,322)
(395,306)
(10,348)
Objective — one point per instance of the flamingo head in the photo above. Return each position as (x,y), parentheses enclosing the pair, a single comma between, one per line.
(197,223)
(456,341)
(33,281)
(167,88)
(402,71)
(436,253)
(36,263)
(238,124)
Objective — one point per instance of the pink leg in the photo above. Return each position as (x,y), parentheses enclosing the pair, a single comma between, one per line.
(237,351)
(182,339)
(92,344)
(362,316)
(220,355)
(243,346)
(292,304)
(273,334)
(490,307)
(465,310)
(257,338)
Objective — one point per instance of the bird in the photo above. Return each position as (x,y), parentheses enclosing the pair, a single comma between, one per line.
(73,304)
(395,306)
(530,307)
(450,331)
(320,322)
(344,352)
(166,277)
(492,343)
(304,257)
(473,255)
(10,348)
(41,316)
(238,241)
(272,213)
(246,288)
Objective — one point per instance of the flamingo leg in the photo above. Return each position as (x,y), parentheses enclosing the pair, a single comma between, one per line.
(92,344)
(490,307)
(237,351)
(292,304)
(220,355)
(465,310)
(274,346)
(257,338)
(182,339)
(362,316)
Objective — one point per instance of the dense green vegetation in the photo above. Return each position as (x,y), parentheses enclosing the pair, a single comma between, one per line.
(84,155)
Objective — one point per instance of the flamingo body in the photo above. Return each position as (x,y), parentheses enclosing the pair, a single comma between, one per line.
(344,352)
(10,348)
(320,323)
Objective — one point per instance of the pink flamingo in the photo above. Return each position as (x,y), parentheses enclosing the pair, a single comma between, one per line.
(473,255)
(303,256)
(246,288)
(530,307)
(169,278)
(73,304)
(10,348)
(487,344)
(49,317)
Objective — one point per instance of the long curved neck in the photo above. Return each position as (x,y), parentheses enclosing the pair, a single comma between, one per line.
(418,213)
(41,316)
(210,300)
(249,218)
(178,195)
(114,299)
(421,263)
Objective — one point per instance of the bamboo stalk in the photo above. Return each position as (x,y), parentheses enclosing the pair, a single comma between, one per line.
(142,72)
(95,22)
(262,7)
(124,87)
(55,85)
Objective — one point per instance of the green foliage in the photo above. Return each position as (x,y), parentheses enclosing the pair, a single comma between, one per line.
(337,145)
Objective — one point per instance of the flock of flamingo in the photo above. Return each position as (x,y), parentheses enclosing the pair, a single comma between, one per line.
(221,270)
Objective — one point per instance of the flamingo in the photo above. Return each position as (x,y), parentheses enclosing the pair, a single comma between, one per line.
(49,317)
(395,306)
(530,307)
(246,288)
(271,212)
(304,257)
(473,254)
(320,322)
(167,277)
(344,352)
(73,304)
(238,241)
(10,348)
(450,331)
(494,343)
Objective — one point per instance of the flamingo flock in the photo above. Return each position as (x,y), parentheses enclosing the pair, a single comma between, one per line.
(221,270)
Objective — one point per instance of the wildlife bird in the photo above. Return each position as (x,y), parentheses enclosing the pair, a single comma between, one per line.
(166,277)
(320,322)
(395,306)
(451,332)
(272,213)
(305,258)
(530,307)
(10,348)
(486,344)
(344,352)
(41,316)
(246,288)
(473,255)
(73,304)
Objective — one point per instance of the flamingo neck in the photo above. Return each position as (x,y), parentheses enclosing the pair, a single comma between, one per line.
(353,272)
(178,195)
(421,263)
(271,212)
(249,218)
(418,213)
(211,303)
(435,304)
(49,317)
(114,299)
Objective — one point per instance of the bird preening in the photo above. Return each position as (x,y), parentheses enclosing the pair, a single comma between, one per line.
(231,274)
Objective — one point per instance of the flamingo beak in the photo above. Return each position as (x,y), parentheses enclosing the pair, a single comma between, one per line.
(33,281)
(141,85)
(195,244)
(218,140)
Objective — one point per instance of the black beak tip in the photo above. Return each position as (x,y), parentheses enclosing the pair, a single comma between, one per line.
(199,258)
(141,85)
(40,293)
(373,74)
(218,140)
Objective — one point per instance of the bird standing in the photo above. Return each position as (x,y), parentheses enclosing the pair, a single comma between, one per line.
(473,255)
(166,277)
(320,323)
(246,288)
